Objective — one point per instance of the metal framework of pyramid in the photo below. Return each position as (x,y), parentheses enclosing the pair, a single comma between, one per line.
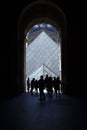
(43,70)
(42,57)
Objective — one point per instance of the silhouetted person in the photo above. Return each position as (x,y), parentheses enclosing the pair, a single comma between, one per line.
(47,83)
(41,88)
(28,84)
(36,86)
(32,85)
(55,85)
(58,85)
(50,86)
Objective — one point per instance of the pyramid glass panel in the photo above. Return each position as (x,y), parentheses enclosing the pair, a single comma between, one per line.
(42,51)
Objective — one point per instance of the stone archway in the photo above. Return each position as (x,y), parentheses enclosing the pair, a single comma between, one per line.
(35,13)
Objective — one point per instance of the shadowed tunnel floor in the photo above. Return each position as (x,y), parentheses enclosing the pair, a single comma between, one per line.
(26,112)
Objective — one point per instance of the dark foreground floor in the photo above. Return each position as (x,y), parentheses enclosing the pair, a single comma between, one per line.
(26,112)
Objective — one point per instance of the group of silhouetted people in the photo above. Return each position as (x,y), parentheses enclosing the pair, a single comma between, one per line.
(48,83)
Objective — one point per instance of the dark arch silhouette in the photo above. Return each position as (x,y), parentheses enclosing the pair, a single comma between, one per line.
(35,13)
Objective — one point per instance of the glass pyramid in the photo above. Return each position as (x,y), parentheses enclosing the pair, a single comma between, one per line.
(42,57)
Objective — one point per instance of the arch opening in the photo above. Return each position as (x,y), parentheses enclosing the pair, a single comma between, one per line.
(31,17)
(43,52)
